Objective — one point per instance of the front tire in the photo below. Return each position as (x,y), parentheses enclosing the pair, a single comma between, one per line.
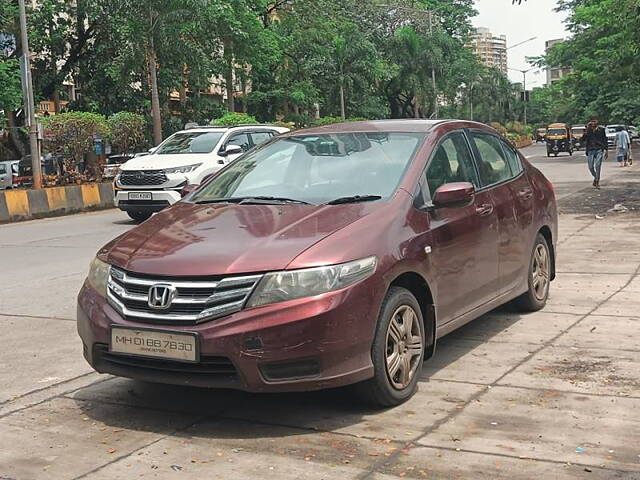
(397,351)
(139,216)
(538,278)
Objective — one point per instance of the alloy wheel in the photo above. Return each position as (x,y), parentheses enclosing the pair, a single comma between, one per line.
(540,272)
(404,347)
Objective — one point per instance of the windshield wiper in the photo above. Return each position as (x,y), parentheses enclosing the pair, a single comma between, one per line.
(354,199)
(265,200)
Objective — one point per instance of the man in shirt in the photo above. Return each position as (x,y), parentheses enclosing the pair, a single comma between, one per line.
(597,148)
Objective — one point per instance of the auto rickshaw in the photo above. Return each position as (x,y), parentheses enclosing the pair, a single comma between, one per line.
(577,131)
(559,139)
(541,133)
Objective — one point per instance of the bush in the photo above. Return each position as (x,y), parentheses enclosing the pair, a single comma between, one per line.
(331,120)
(127,131)
(73,135)
(232,119)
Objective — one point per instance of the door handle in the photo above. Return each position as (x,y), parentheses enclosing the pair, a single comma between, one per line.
(484,210)
(525,193)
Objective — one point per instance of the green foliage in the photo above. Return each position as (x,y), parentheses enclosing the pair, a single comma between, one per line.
(10,88)
(331,120)
(72,134)
(127,131)
(603,54)
(232,119)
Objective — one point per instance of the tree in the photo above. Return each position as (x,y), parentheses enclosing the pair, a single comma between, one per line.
(73,135)
(605,38)
(127,131)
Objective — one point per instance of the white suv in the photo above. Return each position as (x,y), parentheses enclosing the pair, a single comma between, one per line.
(152,182)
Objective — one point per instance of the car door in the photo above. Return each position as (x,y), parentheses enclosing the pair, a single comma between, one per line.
(242,140)
(519,226)
(496,176)
(463,251)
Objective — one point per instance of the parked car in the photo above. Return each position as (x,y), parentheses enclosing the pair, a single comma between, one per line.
(633,132)
(331,256)
(611,131)
(8,174)
(150,183)
(113,164)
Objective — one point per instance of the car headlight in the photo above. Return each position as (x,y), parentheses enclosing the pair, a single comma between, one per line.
(98,276)
(289,285)
(185,169)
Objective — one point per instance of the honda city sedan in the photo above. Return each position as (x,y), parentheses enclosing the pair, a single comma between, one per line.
(326,257)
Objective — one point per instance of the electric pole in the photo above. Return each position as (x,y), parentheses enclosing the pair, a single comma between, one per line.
(30,114)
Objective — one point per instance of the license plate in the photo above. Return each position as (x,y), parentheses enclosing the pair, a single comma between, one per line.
(155,343)
(140,196)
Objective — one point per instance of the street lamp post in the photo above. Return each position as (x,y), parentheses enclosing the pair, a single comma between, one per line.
(524,89)
(30,115)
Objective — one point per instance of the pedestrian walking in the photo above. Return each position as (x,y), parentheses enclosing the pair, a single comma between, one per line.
(597,148)
(623,146)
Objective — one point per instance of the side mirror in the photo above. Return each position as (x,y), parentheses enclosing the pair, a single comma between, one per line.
(187,189)
(449,195)
(152,149)
(231,150)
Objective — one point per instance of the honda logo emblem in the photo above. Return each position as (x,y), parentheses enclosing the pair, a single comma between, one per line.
(161,296)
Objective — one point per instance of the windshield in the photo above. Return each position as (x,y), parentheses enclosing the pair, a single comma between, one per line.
(191,142)
(557,131)
(318,168)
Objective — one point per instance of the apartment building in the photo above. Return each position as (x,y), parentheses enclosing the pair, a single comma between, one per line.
(555,73)
(490,48)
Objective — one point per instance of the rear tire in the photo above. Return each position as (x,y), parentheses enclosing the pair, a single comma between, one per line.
(397,352)
(139,216)
(538,278)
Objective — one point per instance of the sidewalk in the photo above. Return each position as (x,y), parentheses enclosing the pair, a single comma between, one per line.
(620,186)
(551,395)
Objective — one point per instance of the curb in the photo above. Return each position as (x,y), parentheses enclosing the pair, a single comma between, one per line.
(18,205)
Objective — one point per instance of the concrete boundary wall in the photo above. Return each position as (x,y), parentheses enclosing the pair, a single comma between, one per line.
(16,205)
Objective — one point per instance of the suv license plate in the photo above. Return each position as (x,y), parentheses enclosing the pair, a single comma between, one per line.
(140,196)
(155,343)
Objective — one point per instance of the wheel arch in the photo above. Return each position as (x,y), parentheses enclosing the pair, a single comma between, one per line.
(418,286)
(545,231)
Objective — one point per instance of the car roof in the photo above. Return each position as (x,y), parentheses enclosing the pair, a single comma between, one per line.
(399,126)
(213,128)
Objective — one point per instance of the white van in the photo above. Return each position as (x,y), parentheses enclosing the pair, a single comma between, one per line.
(149,183)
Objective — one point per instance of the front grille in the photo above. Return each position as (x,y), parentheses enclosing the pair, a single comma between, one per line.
(209,365)
(143,177)
(193,301)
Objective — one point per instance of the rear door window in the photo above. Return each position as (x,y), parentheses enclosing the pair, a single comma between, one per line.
(452,162)
(3,169)
(513,159)
(492,164)
(261,137)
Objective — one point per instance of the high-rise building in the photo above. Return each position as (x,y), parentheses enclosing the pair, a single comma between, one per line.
(555,73)
(491,49)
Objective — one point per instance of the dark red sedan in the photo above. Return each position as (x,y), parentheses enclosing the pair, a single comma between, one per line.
(330,256)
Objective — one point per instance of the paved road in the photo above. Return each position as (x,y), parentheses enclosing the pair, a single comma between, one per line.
(554,394)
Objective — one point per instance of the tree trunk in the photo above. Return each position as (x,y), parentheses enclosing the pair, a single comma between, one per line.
(343,113)
(183,89)
(228,74)
(416,106)
(155,99)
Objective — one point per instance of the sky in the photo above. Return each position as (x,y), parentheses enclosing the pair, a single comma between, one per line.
(534,18)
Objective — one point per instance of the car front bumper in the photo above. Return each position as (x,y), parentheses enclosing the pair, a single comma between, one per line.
(307,344)
(160,199)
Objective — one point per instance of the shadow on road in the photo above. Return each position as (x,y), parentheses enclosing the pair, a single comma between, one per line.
(326,410)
